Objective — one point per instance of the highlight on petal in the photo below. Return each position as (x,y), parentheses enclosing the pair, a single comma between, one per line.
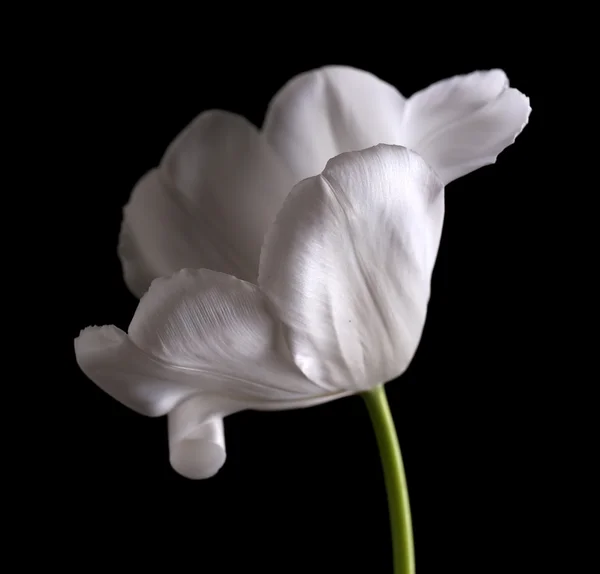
(208,204)
(201,345)
(348,265)
(463,123)
(322,113)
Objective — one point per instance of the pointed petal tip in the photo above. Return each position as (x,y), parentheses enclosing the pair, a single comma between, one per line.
(463,123)
(522,107)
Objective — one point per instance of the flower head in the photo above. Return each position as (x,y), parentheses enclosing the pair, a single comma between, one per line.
(307,250)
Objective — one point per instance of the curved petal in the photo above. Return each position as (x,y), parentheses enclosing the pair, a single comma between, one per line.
(159,235)
(109,358)
(322,113)
(463,123)
(457,125)
(202,335)
(348,265)
(209,203)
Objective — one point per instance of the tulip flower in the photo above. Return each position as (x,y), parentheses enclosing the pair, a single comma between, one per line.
(289,266)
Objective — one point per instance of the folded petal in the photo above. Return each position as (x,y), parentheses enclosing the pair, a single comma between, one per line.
(218,188)
(463,123)
(322,113)
(109,358)
(201,345)
(348,264)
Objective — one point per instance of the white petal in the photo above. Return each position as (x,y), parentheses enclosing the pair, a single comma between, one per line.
(208,205)
(457,125)
(463,123)
(199,334)
(322,113)
(108,357)
(159,235)
(348,265)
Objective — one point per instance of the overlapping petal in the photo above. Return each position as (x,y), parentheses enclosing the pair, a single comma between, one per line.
(458,125)
(208,205)
(220,183)
(322,113)
(348,265)
(201,345)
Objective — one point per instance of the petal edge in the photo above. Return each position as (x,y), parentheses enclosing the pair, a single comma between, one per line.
(348,264)
(463,123)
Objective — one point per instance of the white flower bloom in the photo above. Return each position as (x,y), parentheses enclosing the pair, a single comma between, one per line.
(339,304)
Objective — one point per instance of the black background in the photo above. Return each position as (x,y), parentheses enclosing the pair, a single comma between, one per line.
(302,490)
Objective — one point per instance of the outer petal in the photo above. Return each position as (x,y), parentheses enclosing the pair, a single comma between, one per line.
(209,204)
(109,357)
(348,265)
(201,345)
(457,125)
(322,113)
(463,123)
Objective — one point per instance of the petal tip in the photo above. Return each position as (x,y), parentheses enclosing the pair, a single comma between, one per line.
(522,109)
(500,75)
(107,357)
(97,337)
(494,76)
(207,125)
(409,158)
(93,342)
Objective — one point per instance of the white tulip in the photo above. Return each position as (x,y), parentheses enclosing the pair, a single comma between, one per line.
(288,300)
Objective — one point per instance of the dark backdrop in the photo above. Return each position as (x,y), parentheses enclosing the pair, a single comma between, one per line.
(301,490)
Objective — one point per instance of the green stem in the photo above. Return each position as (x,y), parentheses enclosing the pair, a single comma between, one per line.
(395,480)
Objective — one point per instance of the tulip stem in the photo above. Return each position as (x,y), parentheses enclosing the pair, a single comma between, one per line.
(395,480)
